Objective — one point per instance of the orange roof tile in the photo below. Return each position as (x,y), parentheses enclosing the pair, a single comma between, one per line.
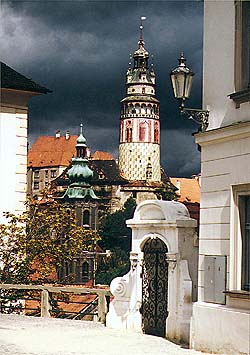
(52,151)
(188,189)
(99,155)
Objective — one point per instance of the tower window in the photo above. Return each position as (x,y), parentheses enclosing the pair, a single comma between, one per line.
(129,134)
(149,172)
(143,131)
(143,90)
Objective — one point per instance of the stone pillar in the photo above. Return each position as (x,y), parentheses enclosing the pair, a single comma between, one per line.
(168,221)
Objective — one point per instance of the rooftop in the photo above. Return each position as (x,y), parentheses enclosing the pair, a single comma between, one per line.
(188,189)
(58,150)
(52,151)
(11,79)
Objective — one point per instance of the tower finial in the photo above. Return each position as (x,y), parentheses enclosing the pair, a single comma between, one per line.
(141,42)
(81,126)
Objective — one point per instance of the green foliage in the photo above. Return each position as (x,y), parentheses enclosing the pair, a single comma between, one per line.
(167,192)
(113,229)
(116,236)
(117,265)
(34,244)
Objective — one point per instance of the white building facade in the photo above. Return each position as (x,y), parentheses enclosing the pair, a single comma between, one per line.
(16,90)
(221,317)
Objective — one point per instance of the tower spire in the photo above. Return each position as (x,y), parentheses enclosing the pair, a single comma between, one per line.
(141,42)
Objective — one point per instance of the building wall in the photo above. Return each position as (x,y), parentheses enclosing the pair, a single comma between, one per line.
(13,158)
(219,64)
(134,158)
(222,324)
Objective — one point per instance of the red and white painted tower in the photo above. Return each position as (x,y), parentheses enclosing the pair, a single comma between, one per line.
(139,147)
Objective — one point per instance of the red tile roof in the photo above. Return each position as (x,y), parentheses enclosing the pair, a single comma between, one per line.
(57,151)
(98,155)
(189,189)
(52,151)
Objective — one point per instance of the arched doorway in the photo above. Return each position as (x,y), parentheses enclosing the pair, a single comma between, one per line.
(154,287)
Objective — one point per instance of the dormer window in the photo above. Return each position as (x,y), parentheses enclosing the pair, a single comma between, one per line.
(101,176)
(53,173)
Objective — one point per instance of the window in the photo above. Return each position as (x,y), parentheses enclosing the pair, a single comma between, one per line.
(244,212)
(36,174)
(46,174)
(240,243)
(143,90)
(242,52)
(36,185)
(85,271)
(53,173)
(149,172)
(86,218)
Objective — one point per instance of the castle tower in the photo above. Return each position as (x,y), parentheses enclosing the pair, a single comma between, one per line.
(139,146)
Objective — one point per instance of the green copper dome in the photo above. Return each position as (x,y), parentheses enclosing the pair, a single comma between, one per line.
(80,174)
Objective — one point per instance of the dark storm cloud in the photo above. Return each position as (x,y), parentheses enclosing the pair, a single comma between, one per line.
(80,50)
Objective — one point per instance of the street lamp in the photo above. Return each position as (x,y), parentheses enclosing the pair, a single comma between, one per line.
(181,79)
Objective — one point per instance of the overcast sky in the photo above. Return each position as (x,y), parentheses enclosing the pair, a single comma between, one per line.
(80,50)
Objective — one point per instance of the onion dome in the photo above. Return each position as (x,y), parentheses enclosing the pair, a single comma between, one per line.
(79,173)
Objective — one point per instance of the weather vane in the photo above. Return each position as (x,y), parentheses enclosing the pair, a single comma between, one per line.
(143,18)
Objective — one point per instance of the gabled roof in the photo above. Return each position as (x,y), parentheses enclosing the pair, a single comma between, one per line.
(11,79)
(52,151)
(188,189)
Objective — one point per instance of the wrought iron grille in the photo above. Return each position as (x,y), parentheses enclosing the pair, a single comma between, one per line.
(154,288)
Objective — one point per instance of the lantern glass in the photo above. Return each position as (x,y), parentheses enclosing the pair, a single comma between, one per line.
(181,78)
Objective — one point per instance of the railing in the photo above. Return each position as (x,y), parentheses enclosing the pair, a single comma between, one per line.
(96,307)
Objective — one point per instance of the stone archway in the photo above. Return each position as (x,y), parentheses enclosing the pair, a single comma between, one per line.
(154,287)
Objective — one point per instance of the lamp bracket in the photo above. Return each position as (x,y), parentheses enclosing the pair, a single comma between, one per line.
(197,115)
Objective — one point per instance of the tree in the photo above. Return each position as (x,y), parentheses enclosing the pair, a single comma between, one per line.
(34,244)
(116,236)
(113,229)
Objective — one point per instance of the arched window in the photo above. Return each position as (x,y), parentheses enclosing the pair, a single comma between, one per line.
(143,109)
(86,218)
(85,271)
(137,109)
(129,132)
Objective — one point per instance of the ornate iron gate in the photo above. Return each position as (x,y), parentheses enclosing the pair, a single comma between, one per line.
(154,288)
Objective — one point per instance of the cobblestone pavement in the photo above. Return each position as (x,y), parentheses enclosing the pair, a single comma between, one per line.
(20,335)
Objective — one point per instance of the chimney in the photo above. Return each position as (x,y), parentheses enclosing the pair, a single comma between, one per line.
(58,134)
(67,135)
(178,185)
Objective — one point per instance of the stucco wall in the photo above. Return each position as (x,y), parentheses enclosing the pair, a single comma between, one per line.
(13,159)
(218,64)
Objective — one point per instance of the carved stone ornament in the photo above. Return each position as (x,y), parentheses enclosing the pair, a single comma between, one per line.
(172,261)
(133,260)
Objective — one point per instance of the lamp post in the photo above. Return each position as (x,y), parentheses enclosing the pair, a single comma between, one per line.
(181,79)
